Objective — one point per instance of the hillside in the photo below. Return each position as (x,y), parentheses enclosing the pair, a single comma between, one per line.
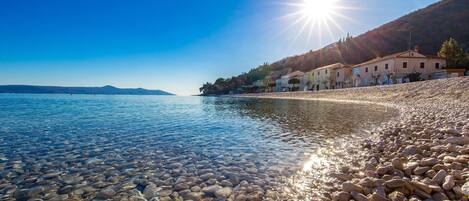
(108,90)
(429,26)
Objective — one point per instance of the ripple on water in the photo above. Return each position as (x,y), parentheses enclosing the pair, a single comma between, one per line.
(86,147)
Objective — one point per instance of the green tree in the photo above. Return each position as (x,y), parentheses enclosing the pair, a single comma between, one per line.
(455,55)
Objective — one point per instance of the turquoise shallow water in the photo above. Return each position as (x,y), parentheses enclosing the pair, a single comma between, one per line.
(74,146)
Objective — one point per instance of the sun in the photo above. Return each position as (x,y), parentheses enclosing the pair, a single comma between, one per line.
(311,20)
(318,9)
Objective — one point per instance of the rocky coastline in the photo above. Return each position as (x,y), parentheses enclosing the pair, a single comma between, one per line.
(422,155)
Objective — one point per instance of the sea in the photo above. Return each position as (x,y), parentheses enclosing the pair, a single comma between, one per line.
(123,147)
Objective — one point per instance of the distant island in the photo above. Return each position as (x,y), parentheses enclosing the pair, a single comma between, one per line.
(106,90)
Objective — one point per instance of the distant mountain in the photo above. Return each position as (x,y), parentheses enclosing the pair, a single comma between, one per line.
(107,90)
(429,26)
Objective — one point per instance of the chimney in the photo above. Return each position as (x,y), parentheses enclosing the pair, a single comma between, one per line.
(416,48)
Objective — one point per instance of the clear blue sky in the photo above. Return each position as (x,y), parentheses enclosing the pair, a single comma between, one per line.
(174,45)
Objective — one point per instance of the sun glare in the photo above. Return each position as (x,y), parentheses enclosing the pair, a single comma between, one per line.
(318,9)
(311,18)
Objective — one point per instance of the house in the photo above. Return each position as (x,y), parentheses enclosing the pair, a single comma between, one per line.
(327,77)
(287,82)
(343,77)
(278,85)
(396,68)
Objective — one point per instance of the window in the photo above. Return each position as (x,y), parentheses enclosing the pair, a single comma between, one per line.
(326,71)
(366,69)
(404,65)
(376,68)
(386,66)
(338,74)
(437,65)
(422,65)
(319,72)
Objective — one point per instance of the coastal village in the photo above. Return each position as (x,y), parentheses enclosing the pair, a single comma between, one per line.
(402,67)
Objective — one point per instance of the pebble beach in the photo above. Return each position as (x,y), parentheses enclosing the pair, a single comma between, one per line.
(421,154)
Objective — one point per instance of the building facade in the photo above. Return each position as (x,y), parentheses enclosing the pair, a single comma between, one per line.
(343,77)
(327,77)
(285,83)
(396,68)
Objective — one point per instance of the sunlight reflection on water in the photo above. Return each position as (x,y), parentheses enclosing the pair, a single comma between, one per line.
(284,149)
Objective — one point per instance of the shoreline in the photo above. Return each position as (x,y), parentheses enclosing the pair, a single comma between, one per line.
(422,154)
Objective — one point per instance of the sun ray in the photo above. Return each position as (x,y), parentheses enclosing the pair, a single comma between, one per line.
(286,29)
(328,29)
(337,25)
(316,18)
(302,29)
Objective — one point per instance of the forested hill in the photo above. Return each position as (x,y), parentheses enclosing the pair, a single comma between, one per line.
(429,26)
(108,90)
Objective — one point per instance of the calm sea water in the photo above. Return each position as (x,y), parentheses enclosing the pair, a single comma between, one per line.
(74,146)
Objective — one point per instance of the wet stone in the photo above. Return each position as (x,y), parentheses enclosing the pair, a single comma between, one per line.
(193,196)
(21,194)
(165,193)
(196,189)
(106,193)
(127,186)
(223,193)
(211,189)
(65,190)
(151,190)
(207,176)
(181,186)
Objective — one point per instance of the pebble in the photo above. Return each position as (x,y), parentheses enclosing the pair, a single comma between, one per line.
(181,186)
(397,196)
(395,183)
(465,189)
(151,191)
(397,163)
(342,196)
(106,193)
(223,193)
(448,183)
(350,187)
(421,170)
(377,197)
(207,176)
(410,150)
(358,196)
(428,162)
(439,177)
(458,140)
(211,189)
